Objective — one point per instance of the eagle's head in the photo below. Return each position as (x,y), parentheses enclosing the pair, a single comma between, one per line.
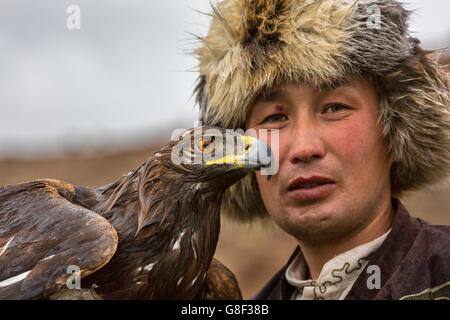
(214,157)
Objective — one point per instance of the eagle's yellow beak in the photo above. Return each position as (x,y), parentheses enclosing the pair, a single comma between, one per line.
(255,153)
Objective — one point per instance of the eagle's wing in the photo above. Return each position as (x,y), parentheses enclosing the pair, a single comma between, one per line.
(44,238)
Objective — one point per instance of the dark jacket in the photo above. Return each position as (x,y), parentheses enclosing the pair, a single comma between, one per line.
(414,263)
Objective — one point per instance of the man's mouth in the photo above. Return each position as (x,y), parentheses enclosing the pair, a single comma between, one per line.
(304,183)
(311,188)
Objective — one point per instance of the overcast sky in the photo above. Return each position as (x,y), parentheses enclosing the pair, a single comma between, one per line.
(124,73)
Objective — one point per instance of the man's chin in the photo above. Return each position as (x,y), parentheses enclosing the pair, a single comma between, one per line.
(313,224)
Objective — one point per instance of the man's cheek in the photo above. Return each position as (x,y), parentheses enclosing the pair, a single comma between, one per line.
(350,142)
(355,152)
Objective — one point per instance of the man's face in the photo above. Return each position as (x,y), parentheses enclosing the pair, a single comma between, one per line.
(334,165)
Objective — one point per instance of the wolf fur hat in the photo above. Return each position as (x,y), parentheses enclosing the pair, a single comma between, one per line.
(253,45)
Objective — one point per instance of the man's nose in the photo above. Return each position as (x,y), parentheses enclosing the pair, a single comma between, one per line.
(307,144)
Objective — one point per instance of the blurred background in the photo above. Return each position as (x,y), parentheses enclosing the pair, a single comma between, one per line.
(90,88)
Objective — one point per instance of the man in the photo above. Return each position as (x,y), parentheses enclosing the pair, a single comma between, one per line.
(363,115)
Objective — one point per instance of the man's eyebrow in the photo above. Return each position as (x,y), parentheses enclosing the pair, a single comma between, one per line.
(271,95)
(333,85)
(279,93)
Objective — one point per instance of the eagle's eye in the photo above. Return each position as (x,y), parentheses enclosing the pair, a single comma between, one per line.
(207,144)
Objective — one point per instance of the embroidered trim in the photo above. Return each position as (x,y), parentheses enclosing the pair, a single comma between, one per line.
(441,292)
(323,287)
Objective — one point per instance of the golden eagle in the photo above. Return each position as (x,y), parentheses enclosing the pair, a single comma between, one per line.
(151,234)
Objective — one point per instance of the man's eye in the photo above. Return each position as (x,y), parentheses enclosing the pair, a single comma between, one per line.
(334,107)
(276,118)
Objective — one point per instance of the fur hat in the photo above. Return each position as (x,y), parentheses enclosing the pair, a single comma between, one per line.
(254,45)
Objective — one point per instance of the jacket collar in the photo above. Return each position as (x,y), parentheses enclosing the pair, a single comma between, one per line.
(390,255)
